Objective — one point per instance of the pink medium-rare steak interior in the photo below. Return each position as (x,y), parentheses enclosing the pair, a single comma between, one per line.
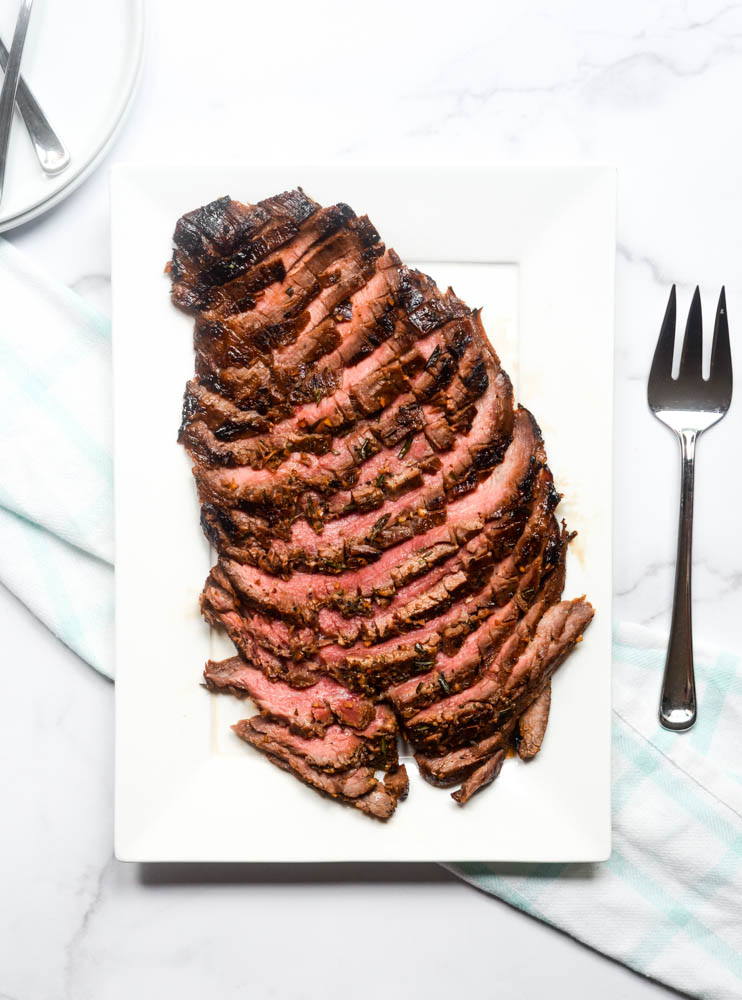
(388,557)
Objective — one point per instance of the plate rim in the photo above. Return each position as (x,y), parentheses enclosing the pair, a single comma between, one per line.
(123,107)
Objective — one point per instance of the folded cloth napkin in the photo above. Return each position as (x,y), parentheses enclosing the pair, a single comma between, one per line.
(668,902)
(56,467)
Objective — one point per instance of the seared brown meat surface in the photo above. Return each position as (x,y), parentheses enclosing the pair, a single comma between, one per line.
(388,557)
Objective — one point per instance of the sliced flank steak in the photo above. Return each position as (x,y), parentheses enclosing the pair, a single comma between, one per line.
(387,554)
(338,748)
(506,629)
(429,626)
(435,609)
(309,712)
(498,502)
(358,472)
(479,763)
(403,496)
(484,775)
(225,239)
(532,725)
(506,688)
(433,369)
(357,787)
(455,766)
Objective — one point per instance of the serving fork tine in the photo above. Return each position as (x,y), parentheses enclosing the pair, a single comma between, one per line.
(688,405)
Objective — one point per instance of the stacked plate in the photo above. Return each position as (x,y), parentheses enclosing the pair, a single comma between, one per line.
(82,61)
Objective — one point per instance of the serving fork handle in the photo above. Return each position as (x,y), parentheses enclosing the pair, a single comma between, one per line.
(678,698)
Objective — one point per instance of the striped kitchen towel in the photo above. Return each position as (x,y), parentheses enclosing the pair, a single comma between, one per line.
(56,467)
(668,903)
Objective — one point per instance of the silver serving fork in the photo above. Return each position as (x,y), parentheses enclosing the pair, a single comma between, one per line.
(689,405)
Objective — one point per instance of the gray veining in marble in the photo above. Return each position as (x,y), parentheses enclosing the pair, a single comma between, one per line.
(651,87)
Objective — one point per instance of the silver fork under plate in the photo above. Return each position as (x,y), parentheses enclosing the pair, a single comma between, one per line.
(10,84)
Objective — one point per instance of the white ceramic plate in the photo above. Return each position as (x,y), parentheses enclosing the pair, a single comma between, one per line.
(81,60)
(535,247)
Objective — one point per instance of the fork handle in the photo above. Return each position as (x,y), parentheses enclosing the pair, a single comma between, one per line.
(678,700)
(50,150)
(10,84)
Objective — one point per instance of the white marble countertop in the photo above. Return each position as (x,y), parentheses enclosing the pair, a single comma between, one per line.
(649,87)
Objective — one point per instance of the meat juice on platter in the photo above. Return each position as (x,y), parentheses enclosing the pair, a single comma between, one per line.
(389,562)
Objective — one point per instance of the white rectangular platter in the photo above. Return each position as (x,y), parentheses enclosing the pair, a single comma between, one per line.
(535,247)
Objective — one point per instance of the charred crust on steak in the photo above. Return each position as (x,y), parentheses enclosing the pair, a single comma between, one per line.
(388,558)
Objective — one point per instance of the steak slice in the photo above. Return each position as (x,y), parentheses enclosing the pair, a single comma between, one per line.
(484,775)
(338,748)
(308,712)
(432,613)
(451,369)
(477,711)
(216,243)
(274,381)
(361,474)
(358,536)
(419,602)
(413,670)
(315,360)
(387,551)
(325,238)
(349,329)
(219,434)
(456,765)
(344,368)
(532,725)
(497,637)
(396,782)
(370,665)
(353,461)
(357,787)
(354,331)
(221,606)
(332,272)
(499,501)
